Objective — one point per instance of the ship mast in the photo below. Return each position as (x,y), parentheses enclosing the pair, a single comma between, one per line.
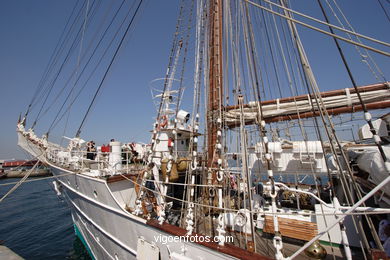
(215,90)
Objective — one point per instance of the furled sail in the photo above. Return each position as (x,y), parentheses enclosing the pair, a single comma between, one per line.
(336,102)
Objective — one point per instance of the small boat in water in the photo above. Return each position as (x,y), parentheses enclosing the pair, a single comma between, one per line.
(18,169)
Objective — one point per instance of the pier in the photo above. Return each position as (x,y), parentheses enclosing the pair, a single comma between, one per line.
(6,253)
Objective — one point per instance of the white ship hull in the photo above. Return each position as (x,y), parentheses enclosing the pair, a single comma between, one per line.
(107,229)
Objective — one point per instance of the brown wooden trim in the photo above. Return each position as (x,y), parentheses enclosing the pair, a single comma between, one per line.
(121,177)
(298,229)
(226,249)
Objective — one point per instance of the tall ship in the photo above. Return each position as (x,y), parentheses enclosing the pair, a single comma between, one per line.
(259,167)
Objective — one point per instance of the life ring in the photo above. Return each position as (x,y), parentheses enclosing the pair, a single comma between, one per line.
(164,123)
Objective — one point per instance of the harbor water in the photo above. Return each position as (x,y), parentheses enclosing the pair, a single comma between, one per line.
(36,223)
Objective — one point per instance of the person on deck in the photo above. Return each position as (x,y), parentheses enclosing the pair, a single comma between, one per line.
(112,140)
(91,150)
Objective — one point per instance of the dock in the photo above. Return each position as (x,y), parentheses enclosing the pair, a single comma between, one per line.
(8,254)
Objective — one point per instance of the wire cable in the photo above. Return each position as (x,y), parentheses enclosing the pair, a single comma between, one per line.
(384,10)
(108,69)
(323,31)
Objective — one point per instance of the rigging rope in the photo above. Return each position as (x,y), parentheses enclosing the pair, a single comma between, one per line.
(363,56)
(53,58)
(384,10)
(78,63)
(56,119)
(349,211)
(373,130)
(19,182)
(39,179)
(108,69)
(327,122)
(367,116)
(357,204)
(303,132)
(187,38)
(369,212)
(323,31)
(50,87)
(256,78)
(324,23)
(74,72)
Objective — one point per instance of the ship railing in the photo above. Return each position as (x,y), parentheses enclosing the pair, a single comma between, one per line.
(99,162)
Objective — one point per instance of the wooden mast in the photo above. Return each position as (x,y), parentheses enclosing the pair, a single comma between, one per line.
(215,88)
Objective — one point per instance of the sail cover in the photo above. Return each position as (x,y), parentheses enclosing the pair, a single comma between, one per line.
(336,102)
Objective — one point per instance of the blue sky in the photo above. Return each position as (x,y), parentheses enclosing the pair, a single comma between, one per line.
(124,110)
(30,30)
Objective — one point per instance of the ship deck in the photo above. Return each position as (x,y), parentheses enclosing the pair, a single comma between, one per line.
(264,244)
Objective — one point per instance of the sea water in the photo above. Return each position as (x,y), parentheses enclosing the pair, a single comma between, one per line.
(36,223)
